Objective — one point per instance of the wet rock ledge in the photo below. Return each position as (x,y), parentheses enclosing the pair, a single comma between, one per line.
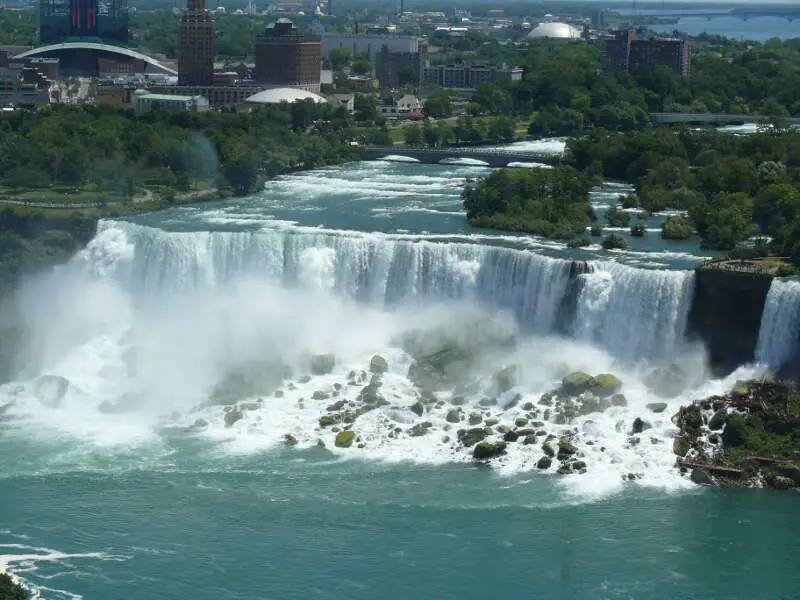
(747,438)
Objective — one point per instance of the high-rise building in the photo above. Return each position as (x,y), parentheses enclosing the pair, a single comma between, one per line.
(395,69)
(93,20)
(627,53)
(287,58)
(196,45)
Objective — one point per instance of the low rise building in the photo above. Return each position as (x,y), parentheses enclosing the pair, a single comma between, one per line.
(467,75)
(144,101)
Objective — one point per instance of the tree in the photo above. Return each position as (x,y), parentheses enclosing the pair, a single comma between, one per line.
(340,58)
(241,171)
(362,67)
(413,135)
(490,98)
(438,105)
(9,590)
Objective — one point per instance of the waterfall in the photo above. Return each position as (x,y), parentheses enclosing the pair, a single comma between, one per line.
(632,313)
(779,334)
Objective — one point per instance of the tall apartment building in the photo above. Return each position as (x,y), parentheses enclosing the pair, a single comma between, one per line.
(196,45)
(627,53)
(62,20)
(390,67)
(467,75)
(285,57)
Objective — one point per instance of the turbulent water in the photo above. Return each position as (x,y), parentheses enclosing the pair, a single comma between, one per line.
(122,480)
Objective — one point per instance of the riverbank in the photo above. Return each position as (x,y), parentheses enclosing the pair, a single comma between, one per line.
(746,438)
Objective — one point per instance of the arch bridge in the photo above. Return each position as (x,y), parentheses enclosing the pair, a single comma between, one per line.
(493,157)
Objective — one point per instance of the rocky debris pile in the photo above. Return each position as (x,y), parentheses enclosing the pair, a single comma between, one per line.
(749,437)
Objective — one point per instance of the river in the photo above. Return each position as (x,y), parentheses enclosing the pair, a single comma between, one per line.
(130,485)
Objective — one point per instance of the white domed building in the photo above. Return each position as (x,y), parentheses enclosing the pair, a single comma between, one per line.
(283,94)
(555,31)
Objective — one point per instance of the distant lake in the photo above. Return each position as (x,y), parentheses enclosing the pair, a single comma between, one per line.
(758,29)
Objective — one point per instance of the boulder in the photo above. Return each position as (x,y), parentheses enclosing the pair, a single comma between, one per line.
(485,450)
(680,446)
(546,400)
(520,421)
(510,436)
(475,418)
(470,437)
(369,394)
(50,390)
(378,365)
(420,429)
(505,379)
(606,384)
(199,424)
(320,395)
(701,477)
(717,421)
(322,364)
(289,440)
(338,405)
(779,482)
(666,382)
(657,407)
(321,444)
(453,415)
(232,416)
(491,422)
(345,439)
(619,400)
(328,420)
(529,440)
(579,465)
(640,425)
(548,450)
(544,463)
(417,408)
(578,382)
(565,449)
(790,471)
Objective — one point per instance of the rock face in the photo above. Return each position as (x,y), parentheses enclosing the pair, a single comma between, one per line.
(726,314)
(345,439)
(232,416)
(50,390)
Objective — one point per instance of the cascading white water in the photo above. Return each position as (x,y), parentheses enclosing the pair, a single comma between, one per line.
(376,268)
(779,334)
(634,313)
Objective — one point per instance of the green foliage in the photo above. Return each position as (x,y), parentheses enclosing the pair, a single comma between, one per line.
(579,242)
(550,202)
(597,230)
(438,104)
(10,590)
(677,228)
(616,217)
(614,242)
(638,229)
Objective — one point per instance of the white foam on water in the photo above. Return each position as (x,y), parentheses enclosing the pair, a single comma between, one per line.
(464,161)
(399,158)
(779,334)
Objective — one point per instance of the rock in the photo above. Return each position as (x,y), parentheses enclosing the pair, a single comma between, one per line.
(417,408)
(527,406)
(666,382)
(680,447)
(320,395)
(606,384)
(503,429)
(321,444)
(470,437)
(491,422)
(506,379)
(199,424)
(328,420)
(510,436)
(520,421)
(369,394)
(548,450)
(232,416)
(779,482)
(475,418)
(701,477)
(565,449)
(634,441)
(544,463)
(289,440)
(578,382)
(718,419)
(278,393)
(338,405)
(344,439)
(485,450)
(304,379)
(322,364)
(378,365)
(486,402)
(735,432)
(453,415)
(619,400)
(546,400)
(640,425)
(657,407)
(579,465)
(419,429)
(513,402)
(529,440)
(50,390)
(791,471)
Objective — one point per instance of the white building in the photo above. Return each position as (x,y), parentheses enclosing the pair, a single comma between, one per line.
(144,101)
